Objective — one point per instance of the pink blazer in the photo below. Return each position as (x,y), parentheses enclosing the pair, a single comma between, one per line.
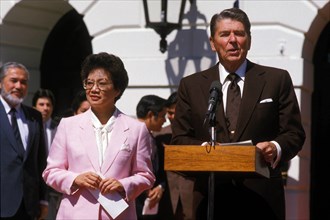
(74,151)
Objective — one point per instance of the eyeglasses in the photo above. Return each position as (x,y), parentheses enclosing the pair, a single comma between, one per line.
(101,85)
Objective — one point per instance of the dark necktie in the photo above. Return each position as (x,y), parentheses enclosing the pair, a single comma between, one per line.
(16,129)
(233,103)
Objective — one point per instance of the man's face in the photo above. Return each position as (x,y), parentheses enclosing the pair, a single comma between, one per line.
(231,42)
(171,112)
(14,86)
(156,122)
(45,106)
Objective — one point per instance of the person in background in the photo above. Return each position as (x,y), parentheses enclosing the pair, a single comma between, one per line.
(23,150)
(101,151)
(151,110)
(268,114)
(80,103)
(181,186)
(44,101)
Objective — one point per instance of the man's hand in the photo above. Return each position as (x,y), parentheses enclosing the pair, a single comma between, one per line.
(43,212)
(155,194)
(268,150)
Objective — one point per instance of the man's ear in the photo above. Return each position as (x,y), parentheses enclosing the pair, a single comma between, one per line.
(150,114)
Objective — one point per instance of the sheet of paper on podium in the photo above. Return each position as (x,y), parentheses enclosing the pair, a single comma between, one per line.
(240,143)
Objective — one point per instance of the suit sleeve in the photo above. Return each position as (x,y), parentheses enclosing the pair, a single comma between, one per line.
(291,133)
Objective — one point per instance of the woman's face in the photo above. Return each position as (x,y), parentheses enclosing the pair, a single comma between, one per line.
(100,90)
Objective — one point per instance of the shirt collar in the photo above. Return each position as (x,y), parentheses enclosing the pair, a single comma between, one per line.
(240,72)
(108,126)
(7,106)
(47,123)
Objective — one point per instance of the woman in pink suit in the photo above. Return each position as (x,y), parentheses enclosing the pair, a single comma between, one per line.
(101,149)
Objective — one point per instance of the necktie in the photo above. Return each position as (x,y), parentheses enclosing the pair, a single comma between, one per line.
(233,103)
(16,129)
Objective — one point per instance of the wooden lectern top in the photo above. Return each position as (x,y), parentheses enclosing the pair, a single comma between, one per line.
(230,159)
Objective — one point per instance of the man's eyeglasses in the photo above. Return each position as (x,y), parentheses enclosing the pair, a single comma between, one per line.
(101,85)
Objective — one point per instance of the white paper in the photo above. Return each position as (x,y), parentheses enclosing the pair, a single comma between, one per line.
(113,203)
(247,143)
(147,211)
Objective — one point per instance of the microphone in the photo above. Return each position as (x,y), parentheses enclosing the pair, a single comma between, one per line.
(215,97)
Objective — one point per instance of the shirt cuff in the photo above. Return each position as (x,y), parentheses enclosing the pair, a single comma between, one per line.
(43,202)
(278,157)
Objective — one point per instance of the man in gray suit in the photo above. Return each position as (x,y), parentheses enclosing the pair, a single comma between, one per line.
(268,114)
(23,153)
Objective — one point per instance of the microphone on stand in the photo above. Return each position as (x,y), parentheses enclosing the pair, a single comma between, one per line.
(215,97)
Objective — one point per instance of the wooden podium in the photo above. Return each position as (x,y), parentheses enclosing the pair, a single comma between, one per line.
(244,161)
(227,161)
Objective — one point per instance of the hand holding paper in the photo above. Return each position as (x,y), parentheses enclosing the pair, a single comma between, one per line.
(112,202)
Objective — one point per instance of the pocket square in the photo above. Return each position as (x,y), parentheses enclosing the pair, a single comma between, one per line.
(266,100)
(125,147)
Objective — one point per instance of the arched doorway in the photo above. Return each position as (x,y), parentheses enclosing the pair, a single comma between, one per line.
(66,47)
(320,151)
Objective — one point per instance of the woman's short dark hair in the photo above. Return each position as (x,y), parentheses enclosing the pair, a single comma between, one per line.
(111,64)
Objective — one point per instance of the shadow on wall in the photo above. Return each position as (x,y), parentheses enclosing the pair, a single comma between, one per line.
(189,45)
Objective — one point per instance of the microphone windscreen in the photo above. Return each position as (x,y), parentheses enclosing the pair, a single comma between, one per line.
(216,85)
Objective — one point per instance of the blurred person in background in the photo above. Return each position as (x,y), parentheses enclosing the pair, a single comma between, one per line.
(152,109)
(80,103)
(44,101)
(181,186)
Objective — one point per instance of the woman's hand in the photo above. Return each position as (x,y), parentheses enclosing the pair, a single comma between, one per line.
(108,185)
(88,180)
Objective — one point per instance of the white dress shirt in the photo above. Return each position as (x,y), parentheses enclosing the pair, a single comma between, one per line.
(103,134)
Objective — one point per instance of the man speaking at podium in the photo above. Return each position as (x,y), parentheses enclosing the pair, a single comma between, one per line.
(267,112)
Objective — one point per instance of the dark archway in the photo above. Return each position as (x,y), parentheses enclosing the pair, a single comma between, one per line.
(66,47)
(320,151)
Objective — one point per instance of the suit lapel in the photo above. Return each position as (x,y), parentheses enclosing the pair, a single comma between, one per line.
(33,126)
(253,86)
(213,75)
(7,129)
(87,130)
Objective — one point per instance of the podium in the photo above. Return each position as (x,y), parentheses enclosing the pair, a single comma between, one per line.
(243,161)
(236,160)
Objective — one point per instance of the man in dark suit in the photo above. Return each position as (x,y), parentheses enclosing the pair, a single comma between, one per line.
(23,153)
(44,101)
(151,110)
(268,115)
